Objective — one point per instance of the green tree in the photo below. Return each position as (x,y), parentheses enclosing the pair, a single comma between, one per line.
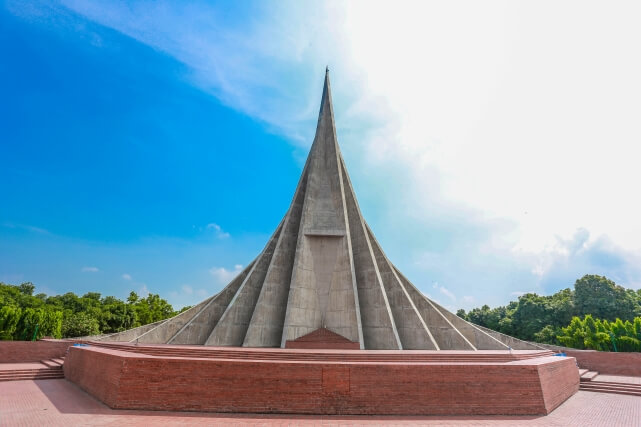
(547,335)
(80,325)
(27,288)
(9,317)
(604,299)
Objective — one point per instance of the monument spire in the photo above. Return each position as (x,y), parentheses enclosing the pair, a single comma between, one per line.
(321,274)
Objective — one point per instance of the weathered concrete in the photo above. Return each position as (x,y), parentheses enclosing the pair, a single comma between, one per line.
(322,268)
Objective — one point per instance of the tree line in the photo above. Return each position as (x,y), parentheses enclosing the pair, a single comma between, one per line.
(24,316)
(596,314)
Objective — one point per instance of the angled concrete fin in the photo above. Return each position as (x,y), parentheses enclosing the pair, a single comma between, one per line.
(412,330)
(233,324)
(266,324)
(199,327)
(379,329)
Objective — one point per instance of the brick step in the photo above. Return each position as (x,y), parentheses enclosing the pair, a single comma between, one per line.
(32,376)
(582,371)
(50,363)
(612,390)
(30,371)
(253,355)
(588,376)
(306,356)
(612,384)
(341,355)
(213,349)
(59,360)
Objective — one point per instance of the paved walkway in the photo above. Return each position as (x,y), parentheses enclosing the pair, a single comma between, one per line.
(61,403)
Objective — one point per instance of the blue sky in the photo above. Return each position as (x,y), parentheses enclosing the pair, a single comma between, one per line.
(155,146)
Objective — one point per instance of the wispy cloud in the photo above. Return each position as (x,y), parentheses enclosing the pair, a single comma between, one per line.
(90,269)
(126,276)
(220,233)
(224,276)
(444,291)
(29,228)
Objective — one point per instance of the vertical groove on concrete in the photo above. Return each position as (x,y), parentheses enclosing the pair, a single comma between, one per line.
(379,331)
(350,250)
(321,290)
(267,321)
(411,327)
(233,324)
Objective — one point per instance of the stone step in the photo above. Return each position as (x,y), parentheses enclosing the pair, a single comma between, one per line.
(582,371)
(588,376)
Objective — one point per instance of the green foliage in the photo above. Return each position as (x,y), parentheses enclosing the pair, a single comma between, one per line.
(80,325)
(604,299)
(24,316)
(551,319)
(601,335)
(547,335)
(628,344)
(9,318)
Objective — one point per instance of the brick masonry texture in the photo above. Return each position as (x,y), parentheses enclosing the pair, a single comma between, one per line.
(32,351)
(608,362)
(128,380)
(323,338)
(61,403)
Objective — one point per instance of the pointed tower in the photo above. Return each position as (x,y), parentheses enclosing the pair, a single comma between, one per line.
(321,278)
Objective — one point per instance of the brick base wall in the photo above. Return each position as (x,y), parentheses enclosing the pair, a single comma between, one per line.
(138,381)
(606,362)
(32,351)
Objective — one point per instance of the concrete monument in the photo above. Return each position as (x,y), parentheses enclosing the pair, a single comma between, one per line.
(322,270)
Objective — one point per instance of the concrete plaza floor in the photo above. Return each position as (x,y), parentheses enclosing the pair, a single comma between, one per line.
(59,402)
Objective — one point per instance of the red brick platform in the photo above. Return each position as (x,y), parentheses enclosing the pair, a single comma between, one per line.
(326,382)
(61,403)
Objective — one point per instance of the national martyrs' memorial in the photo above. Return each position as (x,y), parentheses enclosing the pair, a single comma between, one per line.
(322,322)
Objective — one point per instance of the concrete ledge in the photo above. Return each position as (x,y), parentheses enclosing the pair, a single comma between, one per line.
(288,383)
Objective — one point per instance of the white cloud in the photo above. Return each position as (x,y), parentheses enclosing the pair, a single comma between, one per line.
(468,299)
(447,293)
(187,289)
(89,269)
(126,276)
(224,276)
(489,135)
(220,233)
(143,291)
